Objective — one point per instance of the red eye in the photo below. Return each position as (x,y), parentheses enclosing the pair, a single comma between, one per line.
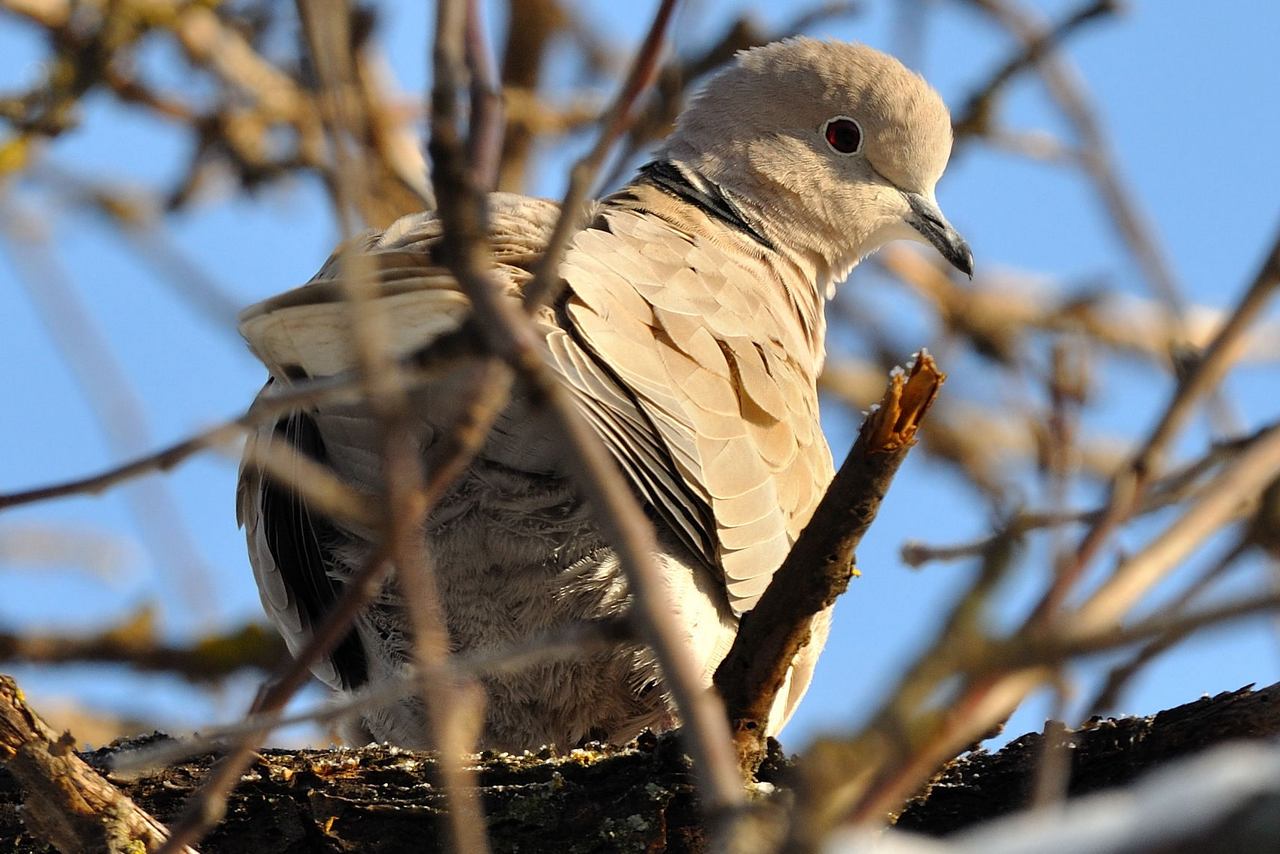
(843,135)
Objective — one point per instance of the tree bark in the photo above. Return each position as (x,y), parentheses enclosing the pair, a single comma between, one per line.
(636,798)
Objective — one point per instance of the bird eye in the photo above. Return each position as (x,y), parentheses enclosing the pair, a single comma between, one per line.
(843,134)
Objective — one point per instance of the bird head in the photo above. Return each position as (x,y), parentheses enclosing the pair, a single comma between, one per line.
(835,147)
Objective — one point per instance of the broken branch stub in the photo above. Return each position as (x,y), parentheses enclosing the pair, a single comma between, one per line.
(67,804)
(820,564)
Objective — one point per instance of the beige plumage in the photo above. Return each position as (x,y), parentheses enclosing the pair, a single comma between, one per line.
(690,336)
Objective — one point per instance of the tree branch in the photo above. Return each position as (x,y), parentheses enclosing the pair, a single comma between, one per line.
(821,562)
(67,803)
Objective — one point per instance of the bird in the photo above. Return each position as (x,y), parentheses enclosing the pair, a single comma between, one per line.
(689,334)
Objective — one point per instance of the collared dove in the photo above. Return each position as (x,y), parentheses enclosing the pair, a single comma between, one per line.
(689,335)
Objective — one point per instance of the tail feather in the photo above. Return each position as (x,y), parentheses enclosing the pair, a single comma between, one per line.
(307,330)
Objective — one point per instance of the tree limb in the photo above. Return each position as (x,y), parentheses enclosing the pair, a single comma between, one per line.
(821,562)
(67,803)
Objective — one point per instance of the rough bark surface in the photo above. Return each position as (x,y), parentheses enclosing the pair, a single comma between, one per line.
(1105,752)
(637,798)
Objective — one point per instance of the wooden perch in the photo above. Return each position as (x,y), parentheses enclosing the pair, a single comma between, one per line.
(821,562)
(66,803)
(635,798)
(1105,752)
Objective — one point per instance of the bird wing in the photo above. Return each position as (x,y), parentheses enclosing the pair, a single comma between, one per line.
(300,557)
(292,552)
(684,354)
(703,337)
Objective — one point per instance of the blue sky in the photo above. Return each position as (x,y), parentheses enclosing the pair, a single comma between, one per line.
(1185,91)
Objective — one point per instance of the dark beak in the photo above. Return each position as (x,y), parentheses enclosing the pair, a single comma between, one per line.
(933,226)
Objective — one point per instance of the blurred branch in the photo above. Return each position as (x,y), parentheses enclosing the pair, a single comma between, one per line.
(658,117)
(567,642)
(265,121)
(987,446)
(532,24)
(1226,498)
(977,117)
(1130,484)
(1119,676)
(509,335)
(1176,487)
(111,396)
(1095,152)
(999,312)
(102,554)
(546,282)
(134,643)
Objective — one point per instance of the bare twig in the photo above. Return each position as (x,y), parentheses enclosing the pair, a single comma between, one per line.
(1122,674)
(206,806)
(484,142)
(1095,151)
(567,642)
(546,279)
(616,512)
(387,399)
(161,460)
(113,399)
(1224,499)
(977,115)
(1178,486)
(419,367)
(1129,485)
(530,28)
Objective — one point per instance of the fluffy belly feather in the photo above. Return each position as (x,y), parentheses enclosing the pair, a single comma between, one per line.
(517,556)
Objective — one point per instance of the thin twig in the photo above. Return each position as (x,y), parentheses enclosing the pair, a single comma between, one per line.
(207,805)
(1174,488)
(1122,674)
(1224,499)
(114,401)
(566,642)
(546,278)
(1095,152)
(419,367)
(507,331)
(1129,485)
(484,141)
(387,399)
(133,643)
(976,117)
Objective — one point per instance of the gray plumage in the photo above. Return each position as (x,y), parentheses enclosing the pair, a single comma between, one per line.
(690,337)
